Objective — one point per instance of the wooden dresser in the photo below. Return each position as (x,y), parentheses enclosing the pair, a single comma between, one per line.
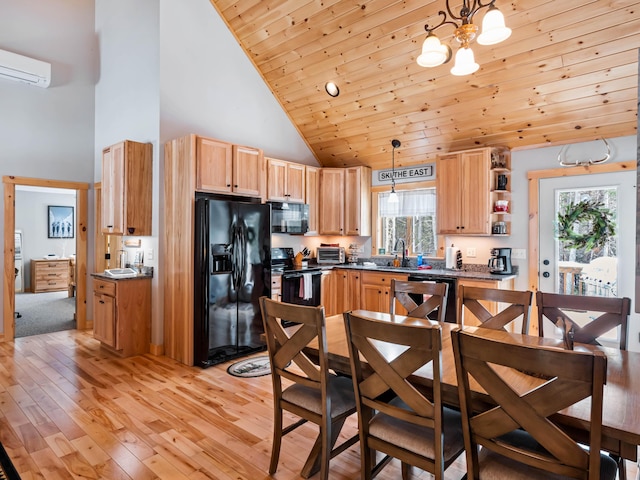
(49,275)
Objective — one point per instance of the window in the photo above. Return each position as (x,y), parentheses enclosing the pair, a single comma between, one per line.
(412,218)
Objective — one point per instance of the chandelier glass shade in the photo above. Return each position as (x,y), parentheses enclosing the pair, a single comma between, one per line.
(435,53)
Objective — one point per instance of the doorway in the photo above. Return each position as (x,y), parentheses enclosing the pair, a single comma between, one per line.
(552,266)
(45,259)
(81,219)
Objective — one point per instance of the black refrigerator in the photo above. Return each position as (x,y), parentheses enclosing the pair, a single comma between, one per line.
(232,271)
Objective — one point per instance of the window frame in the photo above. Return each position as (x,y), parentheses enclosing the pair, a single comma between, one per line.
(375,219)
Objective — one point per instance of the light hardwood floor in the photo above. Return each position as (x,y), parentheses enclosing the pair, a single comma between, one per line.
(69,409)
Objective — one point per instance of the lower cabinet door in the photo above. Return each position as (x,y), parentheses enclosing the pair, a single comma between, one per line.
(104,321)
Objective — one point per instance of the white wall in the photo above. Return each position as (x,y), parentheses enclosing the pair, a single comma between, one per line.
(208,86)
(48,133)
(31,218)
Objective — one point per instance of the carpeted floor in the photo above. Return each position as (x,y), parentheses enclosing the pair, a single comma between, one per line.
(44,313)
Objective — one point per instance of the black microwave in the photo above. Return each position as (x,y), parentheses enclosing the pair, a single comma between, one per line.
(289,218)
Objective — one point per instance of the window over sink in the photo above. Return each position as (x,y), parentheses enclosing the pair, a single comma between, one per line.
(412,218)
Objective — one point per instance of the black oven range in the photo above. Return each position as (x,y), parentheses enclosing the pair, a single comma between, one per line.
(300,286)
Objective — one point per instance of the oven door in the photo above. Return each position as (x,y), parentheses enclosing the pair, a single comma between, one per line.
(301,288)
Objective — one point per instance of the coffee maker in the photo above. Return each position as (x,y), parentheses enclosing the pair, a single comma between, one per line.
(500,261)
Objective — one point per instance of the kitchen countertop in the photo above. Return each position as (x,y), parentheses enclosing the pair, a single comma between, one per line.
(471,274)
(120,279)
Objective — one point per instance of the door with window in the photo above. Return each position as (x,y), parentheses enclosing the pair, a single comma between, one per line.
(587,235)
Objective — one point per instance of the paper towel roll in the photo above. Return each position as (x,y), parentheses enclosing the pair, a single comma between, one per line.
(451,255)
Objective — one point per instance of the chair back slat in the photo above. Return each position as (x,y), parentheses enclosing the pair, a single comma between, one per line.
(433,297)
(559,308)
(286,347)
(518,306)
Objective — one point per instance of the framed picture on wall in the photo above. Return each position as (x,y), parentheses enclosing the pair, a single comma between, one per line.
(60,222)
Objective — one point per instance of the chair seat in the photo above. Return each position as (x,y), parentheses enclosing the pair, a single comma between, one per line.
(498,467)
(340,390)
(416,438)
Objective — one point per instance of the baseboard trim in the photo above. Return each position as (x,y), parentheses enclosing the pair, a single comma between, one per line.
(157,350)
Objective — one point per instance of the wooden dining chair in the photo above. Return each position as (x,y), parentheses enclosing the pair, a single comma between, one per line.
(514,424)
(393,416)
(559,309)
(519,306)
(432,296)
(314,394)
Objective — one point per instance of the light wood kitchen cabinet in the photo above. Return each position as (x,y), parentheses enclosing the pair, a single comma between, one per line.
(126,188)
(312,187)
(376,291)
(50,275)
(328,293)
(286,181)
(347,290)
(122,314)
(345,201)
(463,188)
(232,169)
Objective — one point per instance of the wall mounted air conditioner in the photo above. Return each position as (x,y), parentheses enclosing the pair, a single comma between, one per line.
(24,69)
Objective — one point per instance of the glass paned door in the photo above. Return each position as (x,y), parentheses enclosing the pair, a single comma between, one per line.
(587,266)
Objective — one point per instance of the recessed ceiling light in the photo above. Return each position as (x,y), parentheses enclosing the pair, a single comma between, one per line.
(332,89)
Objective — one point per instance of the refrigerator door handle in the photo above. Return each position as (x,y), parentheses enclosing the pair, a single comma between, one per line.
(243,259)
(237,272)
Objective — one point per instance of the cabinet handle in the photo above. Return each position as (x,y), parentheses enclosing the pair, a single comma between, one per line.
(228,185)
(101,301)
(52,274)
(109,226)
(235,186)
(101,286)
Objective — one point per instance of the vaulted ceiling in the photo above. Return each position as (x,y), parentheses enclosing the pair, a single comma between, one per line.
(568,73)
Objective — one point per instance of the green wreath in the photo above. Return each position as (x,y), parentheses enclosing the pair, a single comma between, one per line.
(589,213)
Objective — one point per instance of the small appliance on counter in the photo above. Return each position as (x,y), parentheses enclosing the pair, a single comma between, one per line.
(453,258)
(330,255)
(500,261)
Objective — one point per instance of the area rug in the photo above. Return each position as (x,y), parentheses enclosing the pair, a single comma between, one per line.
(251,367)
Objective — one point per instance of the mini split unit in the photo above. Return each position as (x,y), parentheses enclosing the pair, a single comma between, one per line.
(24,69)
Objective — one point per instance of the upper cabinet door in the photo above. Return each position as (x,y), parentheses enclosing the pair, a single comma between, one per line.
(357,192)
(312,186)
(476,167)
(112,211)
(213,165)
(249,176)
(331,201)
(127,180)
(276,180)
(463,189)
(296,182)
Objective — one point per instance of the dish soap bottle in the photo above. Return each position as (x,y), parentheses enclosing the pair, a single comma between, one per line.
(396,261)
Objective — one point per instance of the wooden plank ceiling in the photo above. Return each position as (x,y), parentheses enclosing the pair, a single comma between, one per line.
(568,73)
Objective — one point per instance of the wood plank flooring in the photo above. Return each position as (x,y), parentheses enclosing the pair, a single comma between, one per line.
(71,410)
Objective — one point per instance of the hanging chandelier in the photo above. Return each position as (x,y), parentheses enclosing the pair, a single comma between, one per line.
(393,196)
(494,31)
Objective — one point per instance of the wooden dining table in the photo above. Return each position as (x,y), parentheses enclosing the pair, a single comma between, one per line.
(621,408)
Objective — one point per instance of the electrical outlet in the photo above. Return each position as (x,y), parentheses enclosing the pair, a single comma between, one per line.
(519,253)
(471,252)
(149,253)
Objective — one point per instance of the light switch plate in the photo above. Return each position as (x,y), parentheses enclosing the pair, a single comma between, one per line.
(519,253)
(471,252)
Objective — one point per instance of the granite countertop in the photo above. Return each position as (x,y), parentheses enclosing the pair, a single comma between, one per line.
(472,273)
(121,279)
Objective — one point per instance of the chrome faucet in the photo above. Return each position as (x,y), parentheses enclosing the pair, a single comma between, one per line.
(405,260)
